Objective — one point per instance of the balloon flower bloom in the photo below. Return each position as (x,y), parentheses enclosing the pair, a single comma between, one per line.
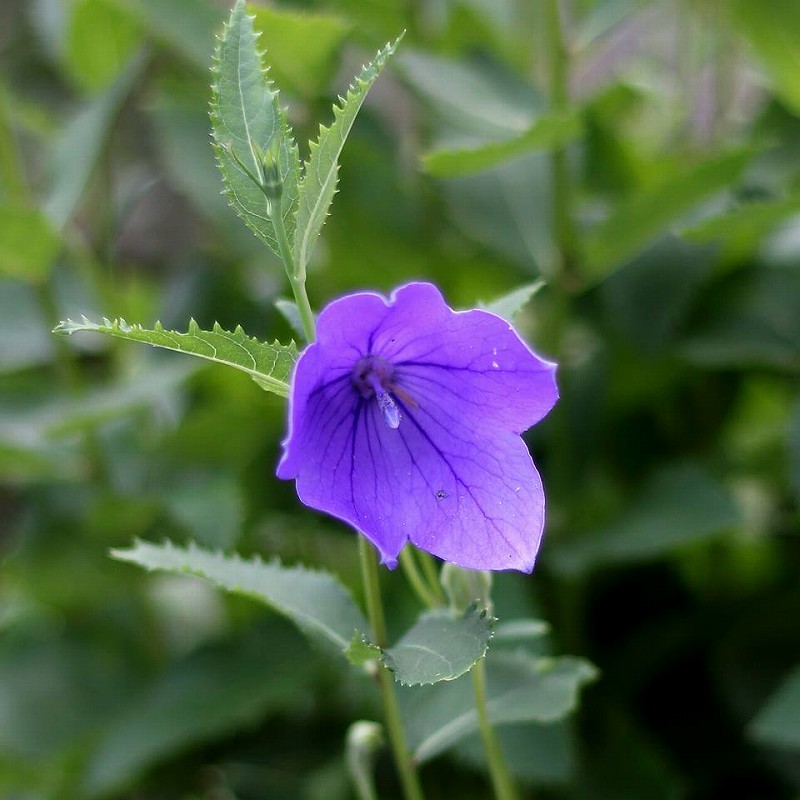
(405,419)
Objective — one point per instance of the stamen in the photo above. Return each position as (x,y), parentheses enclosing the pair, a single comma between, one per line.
(389,409)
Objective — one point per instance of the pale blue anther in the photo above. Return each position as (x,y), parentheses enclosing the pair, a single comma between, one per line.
(389,409)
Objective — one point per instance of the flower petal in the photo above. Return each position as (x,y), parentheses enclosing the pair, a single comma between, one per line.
(454,477)
(476,356)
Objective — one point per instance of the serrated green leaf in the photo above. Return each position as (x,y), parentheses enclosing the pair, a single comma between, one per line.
(639,220)
(320,176)
(269,365)
(520,688)
(509,305)
(315,601)
(361,650)
(549,131)
(247,122)
(439,647)
(778,722)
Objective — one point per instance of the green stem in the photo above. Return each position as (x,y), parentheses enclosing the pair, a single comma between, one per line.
(502,782)
(391,711)
(431,570)
(296,281)
(558,64)
(416,579)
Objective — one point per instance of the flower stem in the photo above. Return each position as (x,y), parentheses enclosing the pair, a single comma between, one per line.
(418,583)
(391,711)
(502,782)
(296,281)
(558,64)
(431,570)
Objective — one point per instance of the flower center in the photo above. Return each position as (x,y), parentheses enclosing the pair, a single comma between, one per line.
(373,376)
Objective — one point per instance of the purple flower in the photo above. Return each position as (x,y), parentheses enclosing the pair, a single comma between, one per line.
(405,422)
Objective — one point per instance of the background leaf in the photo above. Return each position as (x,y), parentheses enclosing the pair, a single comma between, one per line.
(315,601)
(778,723)
(519,689)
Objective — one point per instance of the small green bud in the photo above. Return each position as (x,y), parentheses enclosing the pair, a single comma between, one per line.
(464,587)
(364,739)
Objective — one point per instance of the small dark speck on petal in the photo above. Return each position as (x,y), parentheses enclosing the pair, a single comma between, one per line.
(441,494)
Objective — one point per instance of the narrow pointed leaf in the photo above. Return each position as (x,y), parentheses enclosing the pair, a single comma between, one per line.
(247,122)
(318,185)
(440,647)
(509,305)
(547,132)
(315,601)
(270,365)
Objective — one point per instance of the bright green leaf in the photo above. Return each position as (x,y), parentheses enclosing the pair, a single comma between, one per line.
(520,689)
(645,216)
(546,132)
(29,243)
(315,601)
(361,650)
(302,47)
(101,37)
(773,31)
(509,305)
(248,123)
(778,722)
(269,365)
(320,175)
(439,647)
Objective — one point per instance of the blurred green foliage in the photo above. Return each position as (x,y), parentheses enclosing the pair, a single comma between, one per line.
(649,171)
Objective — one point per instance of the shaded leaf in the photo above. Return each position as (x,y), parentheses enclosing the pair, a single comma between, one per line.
(320,176)
(81,144)
(651,212)
(210,694)
(753,321)
(270,365)
(778,722)
(315,601)
(520,688)
(247,122)
(439,647)
(678,505)
(546,132)
(184,26)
